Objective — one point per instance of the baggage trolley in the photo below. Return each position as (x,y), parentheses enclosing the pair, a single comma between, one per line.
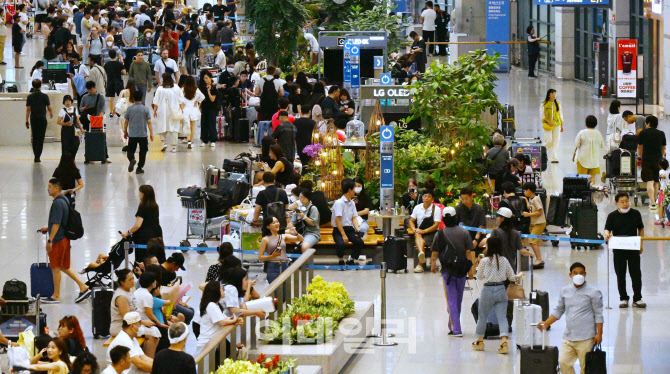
(626,179)
(250,239)
(198,226)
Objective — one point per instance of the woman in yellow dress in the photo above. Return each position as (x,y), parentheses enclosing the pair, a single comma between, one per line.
(552,123)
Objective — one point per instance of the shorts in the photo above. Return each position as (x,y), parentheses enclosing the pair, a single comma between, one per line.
(428,239)
(18,47)
(586,171)
(650,171)
(41,18)
(79,41)
(537,229)
(60,254)
(113,89)
(310,239)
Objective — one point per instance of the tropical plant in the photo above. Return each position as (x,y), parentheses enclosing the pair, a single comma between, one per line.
(380,18)
(450,101)
(278,24)
(338,13)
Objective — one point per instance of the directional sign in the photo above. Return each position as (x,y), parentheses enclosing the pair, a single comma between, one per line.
(386,165)
(385,79)
(355,59)
(387,133)
(379,62)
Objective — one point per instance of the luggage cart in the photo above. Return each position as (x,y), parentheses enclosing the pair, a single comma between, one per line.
(198,226)
(250,238)
(17,315)
(625,178)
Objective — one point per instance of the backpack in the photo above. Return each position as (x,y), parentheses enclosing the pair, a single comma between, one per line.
(14,289)
(74,228)
(452,262)
(521,223)
(269,98)
(277,209)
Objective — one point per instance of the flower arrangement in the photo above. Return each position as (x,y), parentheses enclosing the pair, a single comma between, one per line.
(262,365)
(313,317)
(312,150)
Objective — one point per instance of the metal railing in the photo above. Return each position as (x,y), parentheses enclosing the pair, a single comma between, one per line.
(291,283)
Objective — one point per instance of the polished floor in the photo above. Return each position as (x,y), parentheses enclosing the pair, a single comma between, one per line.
(635,340)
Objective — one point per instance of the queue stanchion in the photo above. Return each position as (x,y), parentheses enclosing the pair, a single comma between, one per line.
(608,278)
(126,249)
(383,336)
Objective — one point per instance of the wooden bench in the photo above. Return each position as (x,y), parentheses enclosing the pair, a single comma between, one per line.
(111,339)
(372,246)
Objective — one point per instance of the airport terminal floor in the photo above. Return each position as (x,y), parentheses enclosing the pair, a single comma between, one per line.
(636,340)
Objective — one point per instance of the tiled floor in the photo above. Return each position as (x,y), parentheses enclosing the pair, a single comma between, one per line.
(635,340)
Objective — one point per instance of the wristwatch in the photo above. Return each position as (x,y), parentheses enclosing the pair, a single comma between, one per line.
(49,241)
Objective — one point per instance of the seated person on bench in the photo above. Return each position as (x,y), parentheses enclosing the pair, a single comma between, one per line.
(139,362)
(345,223)
(306,220)
(362,200)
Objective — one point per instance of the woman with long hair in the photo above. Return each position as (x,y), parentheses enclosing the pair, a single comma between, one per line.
(57,352)
(147,224)
(36,71)
(209,108)
(238,290)
(70,331)
(68,119)
(226,258)
(305,88)
(294,98)
(283,168)
(318,94)
(273,247)
(191,97)
(125,98)
(267,142)
(552,123)
(363,205)
(494,270)
(167,112)
(615,126)
(211,312)
(68,173)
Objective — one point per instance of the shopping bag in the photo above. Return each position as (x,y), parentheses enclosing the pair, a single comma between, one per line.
(18,356)
(596,361)
(27,339)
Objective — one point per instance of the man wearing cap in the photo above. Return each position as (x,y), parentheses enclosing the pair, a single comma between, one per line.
(169,275)
(510,237)
(459,239)
(424,223)
(139,362)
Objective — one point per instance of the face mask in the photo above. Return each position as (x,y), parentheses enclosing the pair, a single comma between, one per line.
(624,210)
(148,35)
(110,44)
(298,202)
(358,189)
(412,190)
(578,279)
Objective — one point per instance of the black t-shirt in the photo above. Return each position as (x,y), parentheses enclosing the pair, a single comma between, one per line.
(113,70)
(150,225)
(349,104)
(407,201)
(167,277)
(269,196)
(286,135)
(219,11)
(185,37)
(168,361)
(207,104)
(304,127)
(149,215)
(69,180)
(73,347)
(17,37)
(168,16)
(362,202)
(284,177)
(652,141)
(38,103)
(624,224)
(473,217)
(329,107)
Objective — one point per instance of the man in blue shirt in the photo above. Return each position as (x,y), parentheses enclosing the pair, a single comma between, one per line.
(583,306)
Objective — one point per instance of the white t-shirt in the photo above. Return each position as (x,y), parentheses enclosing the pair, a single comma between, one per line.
(84,70)
(590,148)
(37,74)
(160,68)
(23,20)
(135,350)
(220,60)
(231,299)
(278,83)
(429,17)
(419,213)
(144,300)
(69,111)
(109,370)
(209,324)
(313,43)
(664,179)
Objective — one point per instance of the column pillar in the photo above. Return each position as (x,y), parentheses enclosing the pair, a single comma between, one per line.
(619,27)
(665,59)
(565,42)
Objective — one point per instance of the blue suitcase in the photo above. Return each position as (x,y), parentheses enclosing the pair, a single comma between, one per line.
(41,278)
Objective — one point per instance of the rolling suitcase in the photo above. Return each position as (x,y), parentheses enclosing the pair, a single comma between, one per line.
(96,146)
(101,316)
(221,127)
(524,316)
(508,126)
(535,360)
(558,210)
(41,277)
(541,298)
(241,130)
(492,325)
(395,254)
(584,221)
(576,186)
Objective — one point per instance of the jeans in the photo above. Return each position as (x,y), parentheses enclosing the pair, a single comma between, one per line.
(143,142)
(38,130)
(263,127)
(453,291)
(353,236)
(187,312)
(493,298)
(630,259)
(143,90)
(274,269)
(191,63)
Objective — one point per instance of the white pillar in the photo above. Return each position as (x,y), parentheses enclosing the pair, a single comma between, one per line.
(665,58)
(565,42)
(619,28)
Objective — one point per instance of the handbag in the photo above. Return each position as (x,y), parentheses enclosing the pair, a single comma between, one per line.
(18,357)
(596,361)
(121,106)
(515,291)
(254,101)
(175,114)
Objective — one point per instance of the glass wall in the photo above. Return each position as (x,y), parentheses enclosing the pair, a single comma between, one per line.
(646,32)
(590,26)
(542,18)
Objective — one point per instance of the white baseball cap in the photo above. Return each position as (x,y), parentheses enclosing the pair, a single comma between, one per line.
(132,317)
(449,210)
(504,212)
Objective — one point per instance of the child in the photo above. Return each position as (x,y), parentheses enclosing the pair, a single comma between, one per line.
(160,304)
(537,221)
(664,179)
(101,258)
(17,40)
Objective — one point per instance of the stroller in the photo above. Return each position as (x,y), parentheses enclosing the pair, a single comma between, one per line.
(101,276)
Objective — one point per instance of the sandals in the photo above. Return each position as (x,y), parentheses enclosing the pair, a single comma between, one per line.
(478,345)
(539,265)
(503,348)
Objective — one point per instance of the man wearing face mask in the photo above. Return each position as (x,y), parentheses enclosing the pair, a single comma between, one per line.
(626,222)
(583,306)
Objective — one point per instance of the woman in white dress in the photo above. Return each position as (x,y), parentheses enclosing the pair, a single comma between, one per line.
(168,112)
(191,97)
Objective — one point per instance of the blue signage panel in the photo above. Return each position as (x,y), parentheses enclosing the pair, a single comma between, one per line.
(400,6)
(387,171)
(572,2)
(387,133)
(347,63)
(385,79)
(497,29)
(379,62)
(355,57)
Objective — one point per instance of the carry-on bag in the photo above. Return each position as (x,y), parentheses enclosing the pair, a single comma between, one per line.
(101,316)
(241,130)
(524,315)
(41,277)
(538,360)
(596,361)
(95,148)
(395,253)
(558,210)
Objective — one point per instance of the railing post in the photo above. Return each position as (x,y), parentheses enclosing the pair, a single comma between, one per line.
(296,283)
(303,279)
(280,300)
(252,338)
(383,335)
(126,248)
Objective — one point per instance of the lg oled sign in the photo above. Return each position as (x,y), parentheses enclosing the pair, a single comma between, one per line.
(626,68)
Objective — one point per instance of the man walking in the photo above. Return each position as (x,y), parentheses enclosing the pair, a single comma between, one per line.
(428,17)
(582,305)
(138,118)
(651,149)
(626,222)
(345,223)
(58,246)
(140,70)
(37,104)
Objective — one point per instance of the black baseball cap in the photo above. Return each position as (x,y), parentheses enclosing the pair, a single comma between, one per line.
(177,258)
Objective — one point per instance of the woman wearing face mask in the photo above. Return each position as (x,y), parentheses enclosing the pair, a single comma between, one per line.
(306,219)
(411,198)
(494,270)
(362,200)
(68,119)
(56,351)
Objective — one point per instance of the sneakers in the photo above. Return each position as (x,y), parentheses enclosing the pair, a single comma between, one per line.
(455,335)
(190,145)
(624,304)
(639,304)
(131,167)
(212,145)
(422,257)
(351,262)
(124,149)
(554,161)
(653,207)
(362,260)
(111,115)
(202,145)
(139,171)
(164,148)
(49,300)
(83,296)
(174,150)
(418,269)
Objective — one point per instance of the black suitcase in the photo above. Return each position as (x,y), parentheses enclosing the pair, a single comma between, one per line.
(101,316)
(96,146)
(241,130)
(395,254)
(535,360)
(629,142)
(235,166)
(233,190)
(584,220)
(541,298)
(508,125)
(576,186)
(613,164)
(558,210)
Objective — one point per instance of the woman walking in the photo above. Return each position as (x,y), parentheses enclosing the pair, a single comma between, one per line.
(552,123)
(167,112)
(68,118)
(191,98)
(209,107)
(494,270)
(68,173)
(147,224)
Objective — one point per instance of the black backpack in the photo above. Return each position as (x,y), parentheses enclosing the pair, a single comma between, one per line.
(452,262)
(74,228)
(14,289)
(269,98)
(277,209)
(521,223)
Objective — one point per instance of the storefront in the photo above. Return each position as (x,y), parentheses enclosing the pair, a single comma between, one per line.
(591,25)
(542,17)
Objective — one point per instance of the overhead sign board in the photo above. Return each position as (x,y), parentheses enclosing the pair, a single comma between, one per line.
(572,2)
(497,29)
(379,62)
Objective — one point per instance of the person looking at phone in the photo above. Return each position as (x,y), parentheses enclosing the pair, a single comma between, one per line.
(213,320)
(306,219)
(56,351)
(239,289)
